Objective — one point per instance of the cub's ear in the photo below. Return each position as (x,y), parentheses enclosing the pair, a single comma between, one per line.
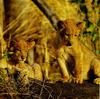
(60,25)
(61,28)
(80,25)
(31,45)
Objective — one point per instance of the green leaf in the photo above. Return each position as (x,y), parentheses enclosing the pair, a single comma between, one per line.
(7,55)
(97,51)
(91,28)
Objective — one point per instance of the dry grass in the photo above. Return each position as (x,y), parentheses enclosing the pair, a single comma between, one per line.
(30,24)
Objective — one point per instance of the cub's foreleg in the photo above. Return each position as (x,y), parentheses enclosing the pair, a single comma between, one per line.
(62,57)
(78,71)
(64,70)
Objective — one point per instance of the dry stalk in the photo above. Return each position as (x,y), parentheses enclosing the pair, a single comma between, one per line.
(2,43)
(15,22)
(27,32)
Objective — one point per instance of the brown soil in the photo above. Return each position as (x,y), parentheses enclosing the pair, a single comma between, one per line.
(42,90)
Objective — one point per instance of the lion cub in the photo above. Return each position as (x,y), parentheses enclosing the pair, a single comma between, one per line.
(84,58)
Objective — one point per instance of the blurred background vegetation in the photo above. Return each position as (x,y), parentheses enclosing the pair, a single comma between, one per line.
(85,11)
(22,18)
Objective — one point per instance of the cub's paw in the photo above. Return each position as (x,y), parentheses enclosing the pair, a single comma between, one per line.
(65,79)
(78,80)
(96,81)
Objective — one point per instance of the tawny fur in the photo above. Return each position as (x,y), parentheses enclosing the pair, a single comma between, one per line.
(85,59)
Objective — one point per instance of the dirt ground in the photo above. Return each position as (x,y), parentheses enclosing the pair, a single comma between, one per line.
(43,90)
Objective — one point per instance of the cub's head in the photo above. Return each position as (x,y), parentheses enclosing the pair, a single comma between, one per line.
(20,48)
(70,28)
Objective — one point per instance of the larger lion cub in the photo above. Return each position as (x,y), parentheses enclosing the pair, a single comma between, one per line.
(84,58)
